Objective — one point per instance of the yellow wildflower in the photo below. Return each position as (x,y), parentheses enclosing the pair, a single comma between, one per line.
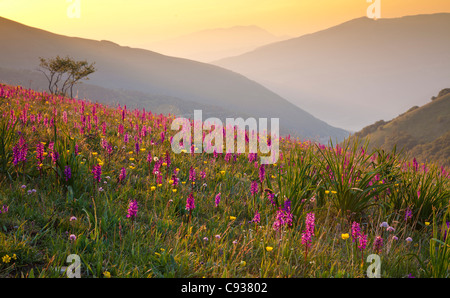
(6,259)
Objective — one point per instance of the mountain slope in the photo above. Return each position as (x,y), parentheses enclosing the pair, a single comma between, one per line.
(158,104)
(423,132)
(144,71)
(357,72)
(214,44)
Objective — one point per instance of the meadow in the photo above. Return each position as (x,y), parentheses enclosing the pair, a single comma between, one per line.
(102,182)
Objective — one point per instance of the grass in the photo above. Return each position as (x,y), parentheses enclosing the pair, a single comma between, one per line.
(49,216)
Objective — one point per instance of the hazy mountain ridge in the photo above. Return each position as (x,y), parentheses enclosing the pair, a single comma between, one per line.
(422,132)
(354,73)
(148,72)
(213,44)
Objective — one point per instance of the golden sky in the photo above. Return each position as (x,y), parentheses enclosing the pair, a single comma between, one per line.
(128,22)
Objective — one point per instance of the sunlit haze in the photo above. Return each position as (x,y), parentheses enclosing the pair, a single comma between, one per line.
(136,22)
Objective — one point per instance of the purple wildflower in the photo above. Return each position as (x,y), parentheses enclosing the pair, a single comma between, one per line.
(310,222)
(445,232)
(408,214)
(257,217)
(40,152)
(168,158)
(20,151)
(55,156)
(192,174)
(137,147)
(282,218)
(132,209)
(306,239)
(4,209)
(123,174)
(252,157)
(356,230)
(67,173)
(262,173)
(271,197)
(217,199)
(254,187)
(190,202)
(378,244)
(97,171)
(390,229)
(362,241)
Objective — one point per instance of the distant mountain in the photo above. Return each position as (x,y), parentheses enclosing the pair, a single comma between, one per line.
(214,44)
(357,72)
(422,132)
(146,72)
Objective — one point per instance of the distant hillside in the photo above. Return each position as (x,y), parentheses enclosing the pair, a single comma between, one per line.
(422,132)
(157,103)
(355,73)
(146,72)
(214,44)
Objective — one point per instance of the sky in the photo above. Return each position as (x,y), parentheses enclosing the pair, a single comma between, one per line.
(130,22)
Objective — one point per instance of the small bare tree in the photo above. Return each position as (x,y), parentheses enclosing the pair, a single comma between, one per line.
(63,73)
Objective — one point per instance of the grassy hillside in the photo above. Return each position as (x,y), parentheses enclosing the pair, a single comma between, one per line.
(102,183)
(422,132)
(158,103)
